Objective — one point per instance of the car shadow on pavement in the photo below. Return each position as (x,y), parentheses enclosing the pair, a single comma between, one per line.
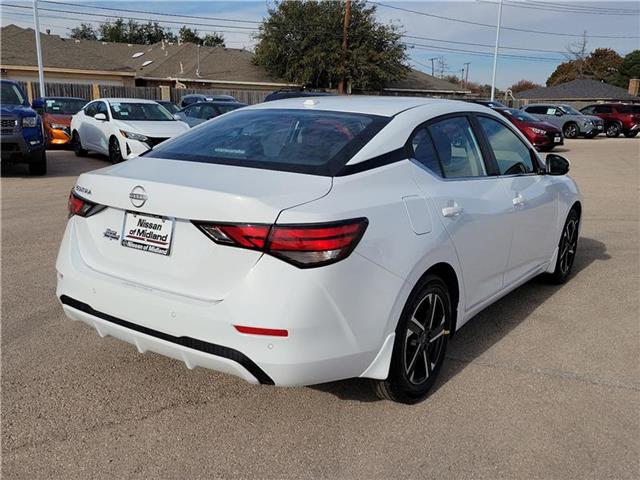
(485,329)
(70,166)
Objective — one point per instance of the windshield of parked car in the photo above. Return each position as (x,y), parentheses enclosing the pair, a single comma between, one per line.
(10,95)
(139,111)
(170,106)
(519,115)
(568,109)
(64,106)
(314,142)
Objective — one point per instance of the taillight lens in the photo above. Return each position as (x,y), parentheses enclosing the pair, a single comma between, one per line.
(305,246)
(81,207)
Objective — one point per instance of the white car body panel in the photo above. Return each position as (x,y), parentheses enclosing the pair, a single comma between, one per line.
(341,318)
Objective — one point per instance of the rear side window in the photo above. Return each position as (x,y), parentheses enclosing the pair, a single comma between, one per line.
(603,109)
(91,109)
(296,140)
(538,110)
(425,152)
(457,148)
(512,155)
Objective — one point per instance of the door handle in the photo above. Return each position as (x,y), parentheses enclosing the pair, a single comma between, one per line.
(452,211)
(518,201)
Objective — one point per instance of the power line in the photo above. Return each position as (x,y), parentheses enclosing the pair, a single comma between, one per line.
(439,48)
(469,22)
(483,44)
(577,6)
(198,17)
(559,8)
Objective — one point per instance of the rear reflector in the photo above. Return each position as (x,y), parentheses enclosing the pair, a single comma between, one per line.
(305,246)
(272,332)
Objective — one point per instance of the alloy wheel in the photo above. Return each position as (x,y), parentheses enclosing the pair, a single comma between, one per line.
(114,151)
(571,131)
(613,130)
(424,339)
(568,245)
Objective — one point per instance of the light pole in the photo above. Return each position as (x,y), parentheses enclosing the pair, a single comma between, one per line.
(495,53)
(36,21)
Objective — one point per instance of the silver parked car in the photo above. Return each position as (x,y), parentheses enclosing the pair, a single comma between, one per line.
(568,119)
(202,111)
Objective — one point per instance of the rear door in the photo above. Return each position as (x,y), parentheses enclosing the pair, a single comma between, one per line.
(532,196)
(472,204)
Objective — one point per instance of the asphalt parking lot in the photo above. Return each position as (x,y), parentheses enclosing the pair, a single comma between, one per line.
(543,384)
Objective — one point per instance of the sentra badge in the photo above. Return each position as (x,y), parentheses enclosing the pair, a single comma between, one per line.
(111,234)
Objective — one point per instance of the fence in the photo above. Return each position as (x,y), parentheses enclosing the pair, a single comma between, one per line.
(92,91)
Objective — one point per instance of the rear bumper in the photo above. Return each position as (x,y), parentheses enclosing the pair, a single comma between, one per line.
(548,140)
(336,317)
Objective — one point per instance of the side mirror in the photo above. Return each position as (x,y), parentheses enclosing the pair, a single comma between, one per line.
(559,113)
(556,164)
(100,116)
(38,105)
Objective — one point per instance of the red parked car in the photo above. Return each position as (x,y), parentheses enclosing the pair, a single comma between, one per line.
(542,135)
(618,118)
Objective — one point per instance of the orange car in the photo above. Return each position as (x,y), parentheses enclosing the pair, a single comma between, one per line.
(56,115)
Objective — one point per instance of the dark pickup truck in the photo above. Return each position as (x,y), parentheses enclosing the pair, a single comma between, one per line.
(21,131)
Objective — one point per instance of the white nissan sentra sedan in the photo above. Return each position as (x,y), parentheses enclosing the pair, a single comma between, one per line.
(309,240)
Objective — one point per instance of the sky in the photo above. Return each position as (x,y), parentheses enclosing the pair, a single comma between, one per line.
(534,56)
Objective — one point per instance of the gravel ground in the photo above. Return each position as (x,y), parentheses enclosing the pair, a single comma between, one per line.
(543,384)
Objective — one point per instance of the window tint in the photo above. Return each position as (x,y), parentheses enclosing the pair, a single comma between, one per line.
(102,108)
(425,152)
(193,112)
(603,109)
(296,140)
(538,110)
(512,155)
(207,112)
(227,108)
(457,148)
(588,110)
(91,109)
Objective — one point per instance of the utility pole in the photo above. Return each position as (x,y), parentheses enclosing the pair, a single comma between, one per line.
(36,22)
(495,52)
(433,70)
(345,45)
(466,75)
(462,77)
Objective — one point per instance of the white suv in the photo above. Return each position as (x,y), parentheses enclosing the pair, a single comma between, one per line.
(122,128)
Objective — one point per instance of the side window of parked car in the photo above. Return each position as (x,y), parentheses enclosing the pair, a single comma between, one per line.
(604,109)
(457,148)
(102,108)
(91,109)
(550,111)
(207,112)
(512,155)
(538,110)
(588,110)
(424,151)
(193,112)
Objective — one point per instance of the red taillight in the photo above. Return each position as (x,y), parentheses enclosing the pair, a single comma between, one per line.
(80,206)
(272,332)
(305,246)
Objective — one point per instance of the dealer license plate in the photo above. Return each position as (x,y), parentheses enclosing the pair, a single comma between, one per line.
(148,233)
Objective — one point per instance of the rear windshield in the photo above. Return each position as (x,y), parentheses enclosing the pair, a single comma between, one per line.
(140,111)
(519,115)
(314,142)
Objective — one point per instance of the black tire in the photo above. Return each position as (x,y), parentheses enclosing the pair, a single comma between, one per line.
(570,130)
(631,134)
(115,155)
(613,130)
(567,248)
(591,135)
(546,148)
(38,164)
(77,145)
(420,344)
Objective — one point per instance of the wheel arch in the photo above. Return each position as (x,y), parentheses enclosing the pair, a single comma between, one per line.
(448,274)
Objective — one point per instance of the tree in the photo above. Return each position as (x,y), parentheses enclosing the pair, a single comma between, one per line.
(629,68)
(602,64)
(191,35)
(523,85)
(84,31)
(301,42)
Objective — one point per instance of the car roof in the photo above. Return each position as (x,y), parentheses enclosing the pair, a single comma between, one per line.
(126,100)
(372,105)
(220,103)
(61,98)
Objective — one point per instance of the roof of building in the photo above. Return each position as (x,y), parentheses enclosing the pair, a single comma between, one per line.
(420,82)
(583,89)
(19,48)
